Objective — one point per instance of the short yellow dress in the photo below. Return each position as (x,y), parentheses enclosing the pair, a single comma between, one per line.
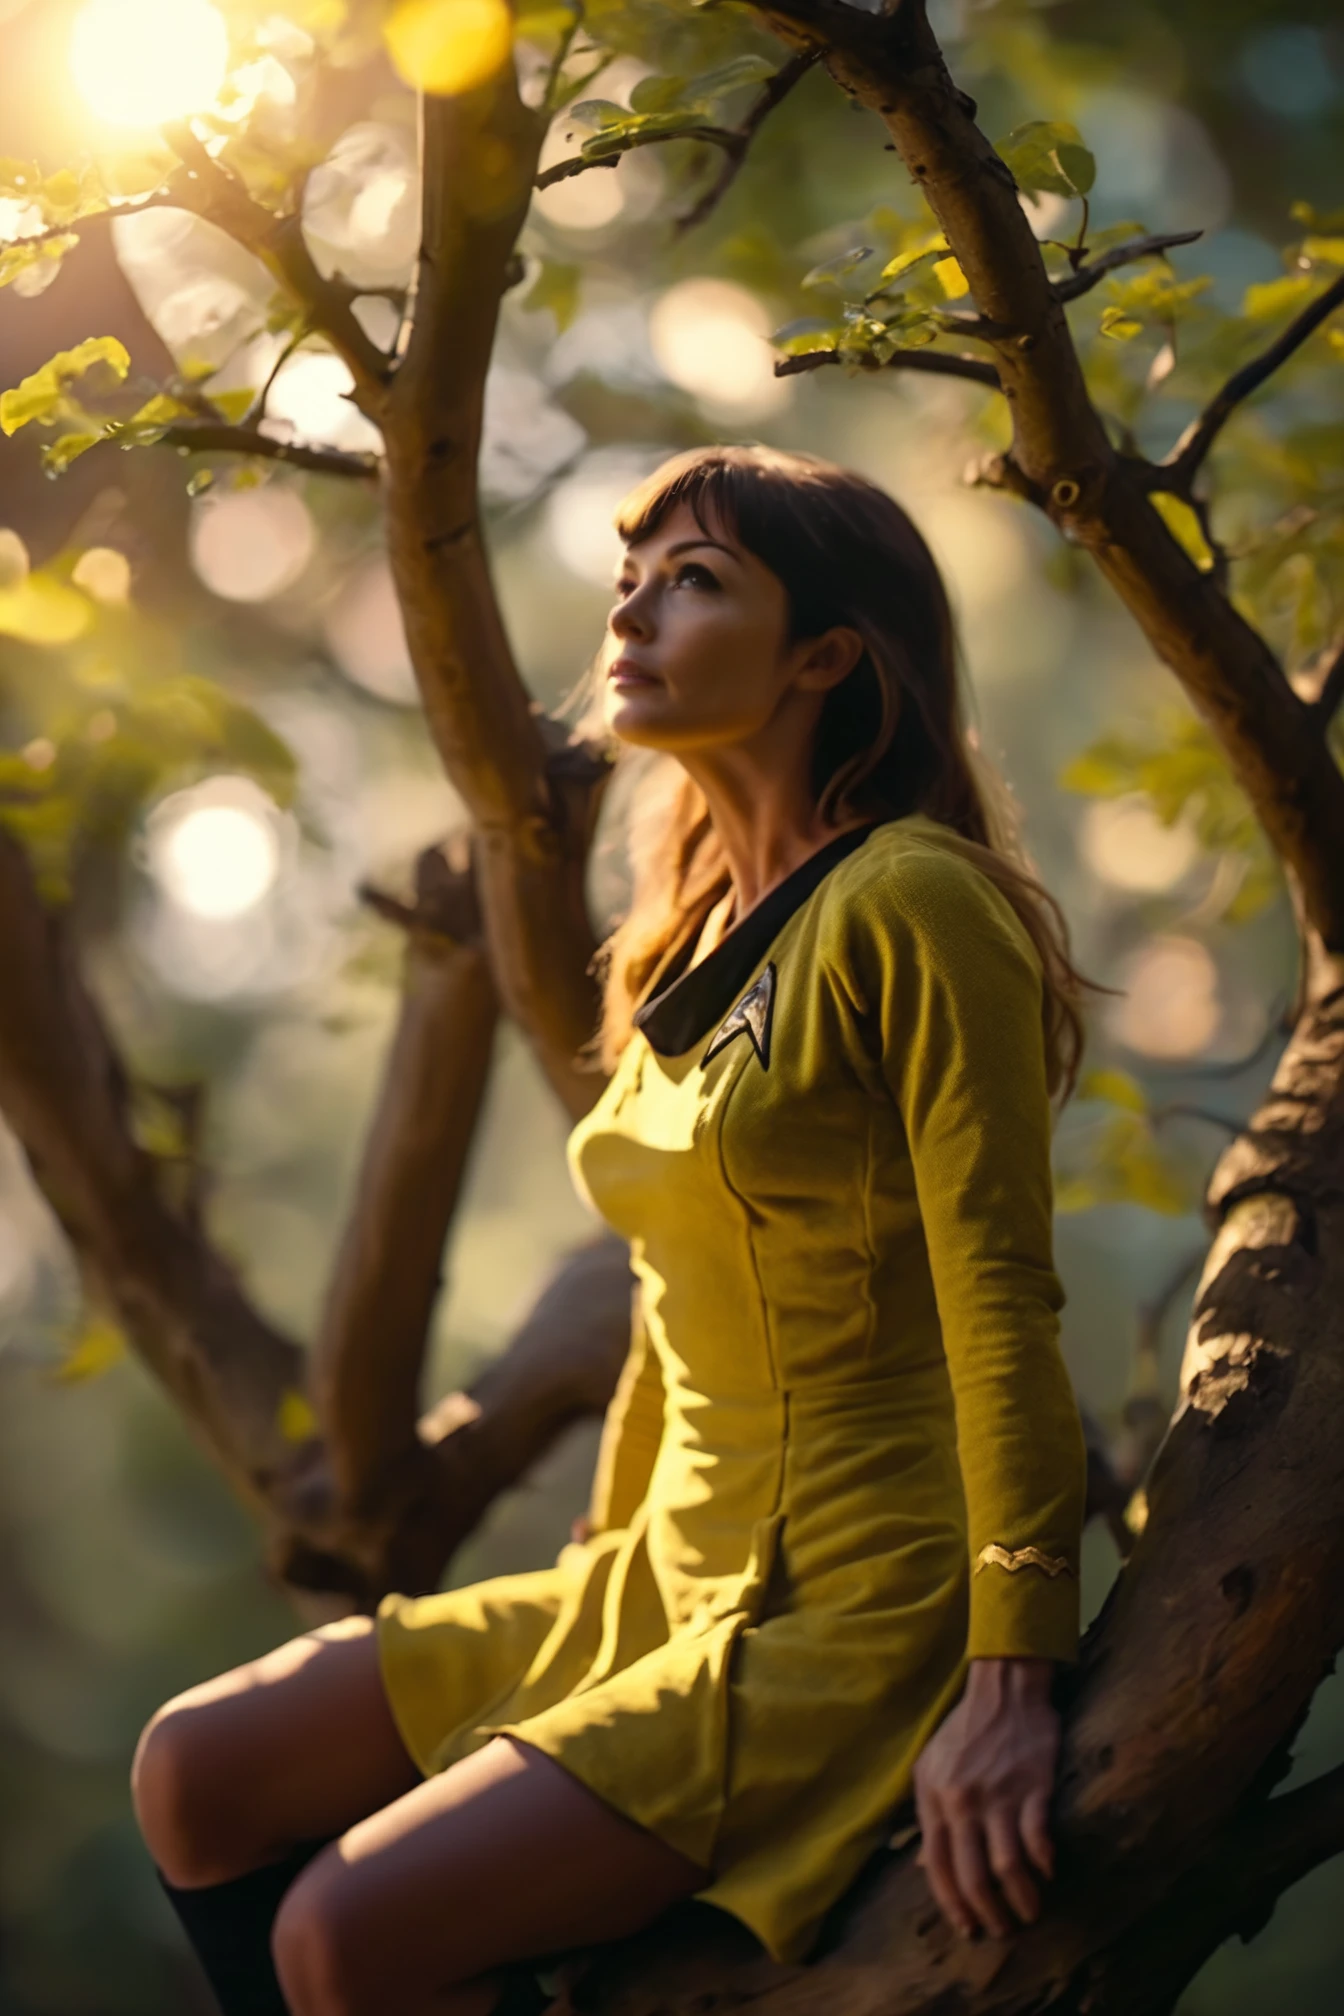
(844,1456)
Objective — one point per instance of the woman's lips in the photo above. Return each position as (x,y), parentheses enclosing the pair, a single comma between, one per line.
(624,672)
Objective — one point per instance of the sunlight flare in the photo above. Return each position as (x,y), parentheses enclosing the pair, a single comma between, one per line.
(139,63)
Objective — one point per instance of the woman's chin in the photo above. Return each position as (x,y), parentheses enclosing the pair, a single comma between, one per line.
(640,718)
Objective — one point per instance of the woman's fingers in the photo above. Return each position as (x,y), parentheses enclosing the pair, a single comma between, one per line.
(1008,1862)
(1036,1831)
(970,1865)
(942,1881)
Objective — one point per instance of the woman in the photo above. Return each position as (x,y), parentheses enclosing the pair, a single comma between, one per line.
(833,1547)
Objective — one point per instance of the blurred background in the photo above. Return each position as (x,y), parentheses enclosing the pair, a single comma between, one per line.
(205,696)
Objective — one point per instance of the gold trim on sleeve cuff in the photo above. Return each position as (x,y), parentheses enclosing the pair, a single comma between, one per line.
(1021,1557)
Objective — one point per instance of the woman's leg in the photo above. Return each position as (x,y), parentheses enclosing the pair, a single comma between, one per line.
(503,1857)
(294,1747)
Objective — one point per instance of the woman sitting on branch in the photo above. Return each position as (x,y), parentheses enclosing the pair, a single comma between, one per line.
(832,1554)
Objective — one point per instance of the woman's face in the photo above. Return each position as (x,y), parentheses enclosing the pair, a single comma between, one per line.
(695,653)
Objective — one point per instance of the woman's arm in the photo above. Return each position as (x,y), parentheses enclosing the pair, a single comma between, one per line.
(958,991)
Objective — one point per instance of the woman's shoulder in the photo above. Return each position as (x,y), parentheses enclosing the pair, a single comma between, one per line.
(915,884)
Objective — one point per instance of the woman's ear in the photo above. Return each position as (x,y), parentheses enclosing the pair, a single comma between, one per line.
(828,659)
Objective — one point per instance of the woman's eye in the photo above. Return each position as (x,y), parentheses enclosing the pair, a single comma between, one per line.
(702,575)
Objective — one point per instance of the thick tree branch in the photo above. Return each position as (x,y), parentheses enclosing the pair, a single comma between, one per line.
(1061,456)
(934,363)
(479,158)
(64,1092)
(370,1346)
(1086,277)
(1178,470)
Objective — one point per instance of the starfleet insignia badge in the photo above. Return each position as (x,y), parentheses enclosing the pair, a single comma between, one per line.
(753,1014)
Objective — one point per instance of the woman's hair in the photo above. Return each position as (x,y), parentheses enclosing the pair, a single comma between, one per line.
(890,738)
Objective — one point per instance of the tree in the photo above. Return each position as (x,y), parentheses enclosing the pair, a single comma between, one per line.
(1229,1609)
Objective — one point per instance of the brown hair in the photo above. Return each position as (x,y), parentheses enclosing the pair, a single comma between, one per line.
(890,737)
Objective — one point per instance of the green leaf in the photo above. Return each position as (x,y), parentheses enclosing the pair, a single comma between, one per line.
(44,611)
(951,279)
(832,271)
(556,287)
(1050,155)
(932,246)
(1077,165)
(1269,299)
(96,1348)
(810,333)
(18,257)
(1324,251)
(1117,1088)
(39,396)
(295,1417)
(22,179)
(59,454)
(1114,322)
(601,114)
(1184,526)
(232,406)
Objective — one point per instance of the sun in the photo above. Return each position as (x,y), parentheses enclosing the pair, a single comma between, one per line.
(139,63)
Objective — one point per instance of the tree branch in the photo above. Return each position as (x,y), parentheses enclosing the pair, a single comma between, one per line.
(208,437)
(1086,277)
(370,1345)
(1061,456)
(733,140)
(64,1092)
(579,164)
(776,89)
(479,155)
(935,363)
(1178,470)
(210,190)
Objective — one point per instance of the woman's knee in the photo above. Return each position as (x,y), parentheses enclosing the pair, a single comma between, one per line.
(316,1958)
(170,1793)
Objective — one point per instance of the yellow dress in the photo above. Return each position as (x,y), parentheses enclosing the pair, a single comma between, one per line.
(844,1455)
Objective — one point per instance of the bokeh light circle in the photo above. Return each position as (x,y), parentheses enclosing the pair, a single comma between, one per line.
(709,337)
(248,545)
(214,850)
(139,63)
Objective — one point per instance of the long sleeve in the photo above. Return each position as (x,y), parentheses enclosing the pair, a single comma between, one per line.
(631,1432)
(954,983)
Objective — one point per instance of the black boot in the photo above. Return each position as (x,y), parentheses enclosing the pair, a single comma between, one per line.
(229,1926)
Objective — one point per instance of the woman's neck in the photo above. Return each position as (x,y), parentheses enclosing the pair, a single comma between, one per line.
(766,820)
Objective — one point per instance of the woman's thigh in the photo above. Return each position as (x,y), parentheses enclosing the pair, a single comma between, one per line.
(503,1857)
(296,1746)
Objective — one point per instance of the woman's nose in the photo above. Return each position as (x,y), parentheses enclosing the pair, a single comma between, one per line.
(632,615)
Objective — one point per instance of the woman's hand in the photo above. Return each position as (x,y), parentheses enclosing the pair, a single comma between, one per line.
(982,1789)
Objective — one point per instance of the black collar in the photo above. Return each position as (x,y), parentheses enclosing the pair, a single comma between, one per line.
(689,1003)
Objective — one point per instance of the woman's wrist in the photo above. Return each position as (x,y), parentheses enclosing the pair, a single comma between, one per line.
(995,1681)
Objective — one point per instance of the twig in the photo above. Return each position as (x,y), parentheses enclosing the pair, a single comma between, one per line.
(1086,277)
(207,437)
(734,141)
(937,363)
(776,88)
(579,164)
(1178,470)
